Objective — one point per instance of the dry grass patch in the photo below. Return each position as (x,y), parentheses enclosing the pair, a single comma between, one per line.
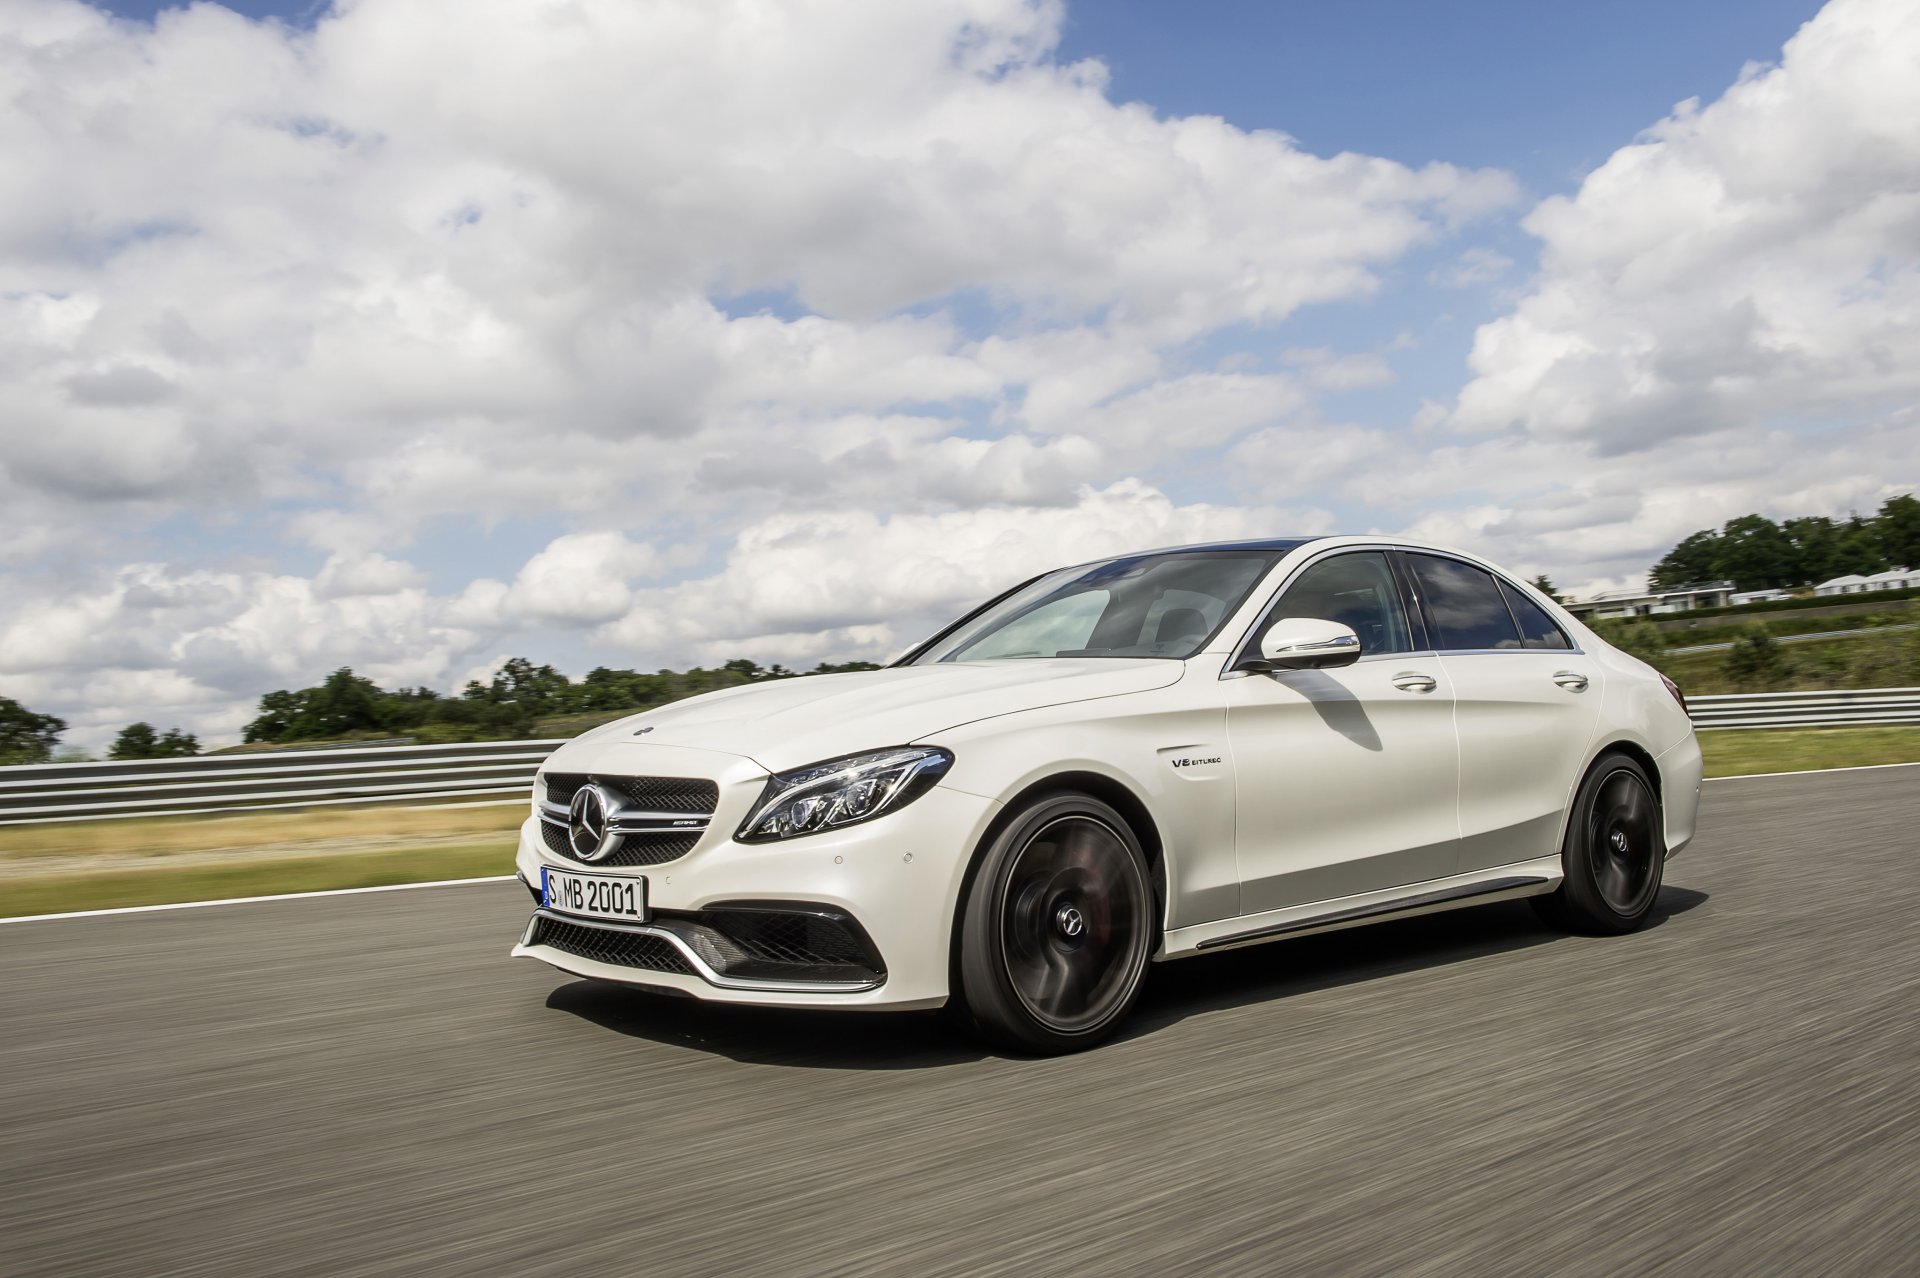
(88,846)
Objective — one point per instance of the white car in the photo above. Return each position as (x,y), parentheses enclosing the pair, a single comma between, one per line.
(1145,758)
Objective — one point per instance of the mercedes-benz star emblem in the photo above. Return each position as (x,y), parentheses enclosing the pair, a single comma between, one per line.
(587,823)
(1070,921)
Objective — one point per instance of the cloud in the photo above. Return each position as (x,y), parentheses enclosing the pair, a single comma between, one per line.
(698,280)
(1474,266)
(1743,262)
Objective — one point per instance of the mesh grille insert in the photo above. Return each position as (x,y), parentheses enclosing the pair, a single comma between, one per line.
(804,939)
(654,794)
(604,945)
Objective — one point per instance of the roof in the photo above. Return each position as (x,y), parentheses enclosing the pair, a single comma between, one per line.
(1284,545)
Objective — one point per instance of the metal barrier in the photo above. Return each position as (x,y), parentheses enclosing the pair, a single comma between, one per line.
(501,770)
(504,770)
(1806,709)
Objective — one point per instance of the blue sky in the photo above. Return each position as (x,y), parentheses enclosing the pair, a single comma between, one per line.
(647,334)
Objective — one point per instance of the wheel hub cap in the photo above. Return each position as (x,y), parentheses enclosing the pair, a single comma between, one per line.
(1620,841)
(1070,922)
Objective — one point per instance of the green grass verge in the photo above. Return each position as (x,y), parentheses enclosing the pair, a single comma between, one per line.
(166,885)
(1743,752)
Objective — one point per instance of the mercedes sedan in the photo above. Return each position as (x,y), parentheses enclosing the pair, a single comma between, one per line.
(1113,764)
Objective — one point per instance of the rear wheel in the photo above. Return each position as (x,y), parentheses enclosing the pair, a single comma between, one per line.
(1058,927)
(1614,854)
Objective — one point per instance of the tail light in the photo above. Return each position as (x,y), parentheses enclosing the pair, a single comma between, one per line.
(1674,688)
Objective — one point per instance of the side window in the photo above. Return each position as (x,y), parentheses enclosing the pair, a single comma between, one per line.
(1356,590)
(1464,606)
(1537,629)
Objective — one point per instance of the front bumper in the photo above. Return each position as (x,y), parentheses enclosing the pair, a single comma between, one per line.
(898,878)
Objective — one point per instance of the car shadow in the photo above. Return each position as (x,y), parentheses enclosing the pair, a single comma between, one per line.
(1265,973)
(1175,991)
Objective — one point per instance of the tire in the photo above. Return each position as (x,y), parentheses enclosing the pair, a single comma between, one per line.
(1057,928)
(1614,854)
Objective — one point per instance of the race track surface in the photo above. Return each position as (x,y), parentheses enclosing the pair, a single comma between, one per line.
(368,1085)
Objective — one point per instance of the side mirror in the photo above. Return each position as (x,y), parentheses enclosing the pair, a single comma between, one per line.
(1306,643)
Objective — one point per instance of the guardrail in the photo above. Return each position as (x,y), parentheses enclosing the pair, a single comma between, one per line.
(504,770)
(500,770)
(1806,709)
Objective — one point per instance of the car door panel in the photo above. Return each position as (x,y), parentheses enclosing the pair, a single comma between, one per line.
(1345,782)
(1346,779)
(1526,704)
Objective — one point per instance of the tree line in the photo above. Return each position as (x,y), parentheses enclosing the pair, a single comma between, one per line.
(345,703)
(27,737)
(507,706)
(1755,553)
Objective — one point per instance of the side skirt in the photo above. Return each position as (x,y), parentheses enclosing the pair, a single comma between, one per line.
(1526,879)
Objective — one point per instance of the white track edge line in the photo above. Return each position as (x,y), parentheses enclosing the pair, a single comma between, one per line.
(252,900)
(1814,772)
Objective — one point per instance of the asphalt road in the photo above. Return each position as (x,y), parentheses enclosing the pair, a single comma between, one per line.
(367,1085)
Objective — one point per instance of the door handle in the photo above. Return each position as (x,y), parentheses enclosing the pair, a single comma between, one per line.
(1571,680)
(1414,681)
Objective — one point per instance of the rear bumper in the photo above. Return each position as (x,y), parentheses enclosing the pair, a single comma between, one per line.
(1681,769)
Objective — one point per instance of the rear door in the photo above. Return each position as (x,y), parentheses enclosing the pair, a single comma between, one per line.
(1346,781)
(1526,704)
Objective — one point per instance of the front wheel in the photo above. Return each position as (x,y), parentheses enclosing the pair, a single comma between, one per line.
(1614,854)
(1058,927)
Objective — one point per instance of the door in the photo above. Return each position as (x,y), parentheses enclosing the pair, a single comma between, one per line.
(1346,781)
(1526,704)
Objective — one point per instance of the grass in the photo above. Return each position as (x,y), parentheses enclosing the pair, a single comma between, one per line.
(1890,660)
(284,833)
(165,884)
(97,865)
(1747,751)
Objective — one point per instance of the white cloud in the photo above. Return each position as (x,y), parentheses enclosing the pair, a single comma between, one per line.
(1743,262)
(1473,267)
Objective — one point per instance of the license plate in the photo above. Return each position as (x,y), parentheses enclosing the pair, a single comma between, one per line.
(596,896)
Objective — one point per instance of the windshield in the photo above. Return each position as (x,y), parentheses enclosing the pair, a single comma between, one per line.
(1146,606)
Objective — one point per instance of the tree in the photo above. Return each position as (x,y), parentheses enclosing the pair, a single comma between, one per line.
(1897,529)
(139,741)
(1690,563)
(1754,659)
(1545,587)
(1754,553)
(136,741)
(1636,638)
(26,737)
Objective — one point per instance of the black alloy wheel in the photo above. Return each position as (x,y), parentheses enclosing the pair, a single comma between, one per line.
(1058,927)
(1614,854)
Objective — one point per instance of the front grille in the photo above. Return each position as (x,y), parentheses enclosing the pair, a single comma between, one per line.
(691,795)
(653,794)
(605,945)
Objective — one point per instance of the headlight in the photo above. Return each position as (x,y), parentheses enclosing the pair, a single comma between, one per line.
(843,791)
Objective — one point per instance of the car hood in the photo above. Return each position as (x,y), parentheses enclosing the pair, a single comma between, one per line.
(784,723)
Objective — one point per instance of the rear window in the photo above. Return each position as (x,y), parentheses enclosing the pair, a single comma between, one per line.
(1537,629)
(1465,607)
